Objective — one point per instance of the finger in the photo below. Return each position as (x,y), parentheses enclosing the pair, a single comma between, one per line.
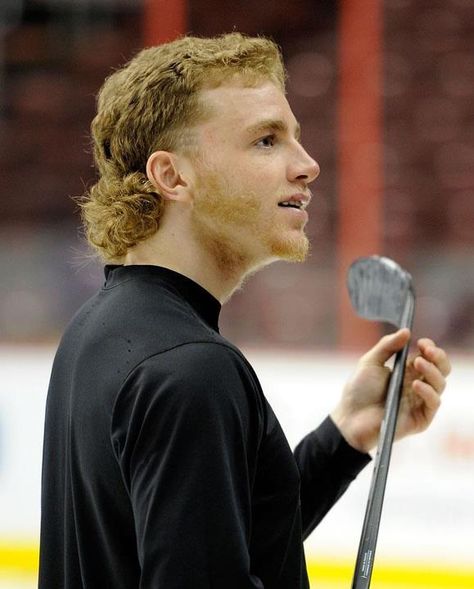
(435,355)
(426,342)
(430,374)
(428,395)
(386,347)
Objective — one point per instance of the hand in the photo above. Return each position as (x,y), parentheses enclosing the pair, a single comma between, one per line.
(360,411)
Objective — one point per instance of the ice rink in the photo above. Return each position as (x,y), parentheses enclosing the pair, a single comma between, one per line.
(383,93)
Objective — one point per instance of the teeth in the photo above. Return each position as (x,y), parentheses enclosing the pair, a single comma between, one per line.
(291,204)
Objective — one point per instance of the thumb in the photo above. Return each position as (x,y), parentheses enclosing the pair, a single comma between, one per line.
(386,347)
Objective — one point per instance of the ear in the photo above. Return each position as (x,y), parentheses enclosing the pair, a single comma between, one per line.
(163,172)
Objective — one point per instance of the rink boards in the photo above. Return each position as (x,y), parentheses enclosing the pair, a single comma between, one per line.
(426,535)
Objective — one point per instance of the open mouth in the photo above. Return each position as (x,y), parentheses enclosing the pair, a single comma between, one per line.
(291,205)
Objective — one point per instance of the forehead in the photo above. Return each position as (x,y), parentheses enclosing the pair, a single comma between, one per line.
(243,108)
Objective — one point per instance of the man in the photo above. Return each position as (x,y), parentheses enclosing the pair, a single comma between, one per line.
(164,465)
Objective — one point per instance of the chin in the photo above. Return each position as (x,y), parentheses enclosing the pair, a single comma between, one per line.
(293,249)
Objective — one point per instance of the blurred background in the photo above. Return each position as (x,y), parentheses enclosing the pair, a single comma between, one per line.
(55,54)
(383,90)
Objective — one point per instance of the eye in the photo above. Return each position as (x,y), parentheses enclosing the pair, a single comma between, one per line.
(267,141)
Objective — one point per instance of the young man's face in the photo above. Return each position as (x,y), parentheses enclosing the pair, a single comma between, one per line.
(252,176)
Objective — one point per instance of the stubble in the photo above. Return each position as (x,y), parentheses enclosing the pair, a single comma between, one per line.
(231,224)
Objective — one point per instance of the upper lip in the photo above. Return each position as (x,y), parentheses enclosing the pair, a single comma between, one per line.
(301,198)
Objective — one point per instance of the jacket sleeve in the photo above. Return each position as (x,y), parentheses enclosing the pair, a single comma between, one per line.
(185,431)
(327,465)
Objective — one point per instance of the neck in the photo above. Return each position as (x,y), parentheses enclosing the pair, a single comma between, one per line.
(220,272)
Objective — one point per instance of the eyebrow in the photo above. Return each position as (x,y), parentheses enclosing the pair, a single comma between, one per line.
(275,125)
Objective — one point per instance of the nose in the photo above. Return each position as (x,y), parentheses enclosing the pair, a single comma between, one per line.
(304,167)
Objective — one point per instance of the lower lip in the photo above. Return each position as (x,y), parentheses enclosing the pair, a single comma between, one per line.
(300,213)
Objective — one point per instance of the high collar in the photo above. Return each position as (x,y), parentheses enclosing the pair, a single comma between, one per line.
(203,303)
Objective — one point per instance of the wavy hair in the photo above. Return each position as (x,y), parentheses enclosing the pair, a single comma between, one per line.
(148,105)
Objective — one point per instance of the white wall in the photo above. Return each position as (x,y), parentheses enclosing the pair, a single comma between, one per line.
(23,384)
(429,505)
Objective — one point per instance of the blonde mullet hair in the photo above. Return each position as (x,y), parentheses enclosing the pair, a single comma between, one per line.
(150,104)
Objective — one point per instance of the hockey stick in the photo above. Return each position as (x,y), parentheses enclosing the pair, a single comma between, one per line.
(380,290)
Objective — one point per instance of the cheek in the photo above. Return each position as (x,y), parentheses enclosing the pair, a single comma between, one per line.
(222,198)
(247,184)
(262,178)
